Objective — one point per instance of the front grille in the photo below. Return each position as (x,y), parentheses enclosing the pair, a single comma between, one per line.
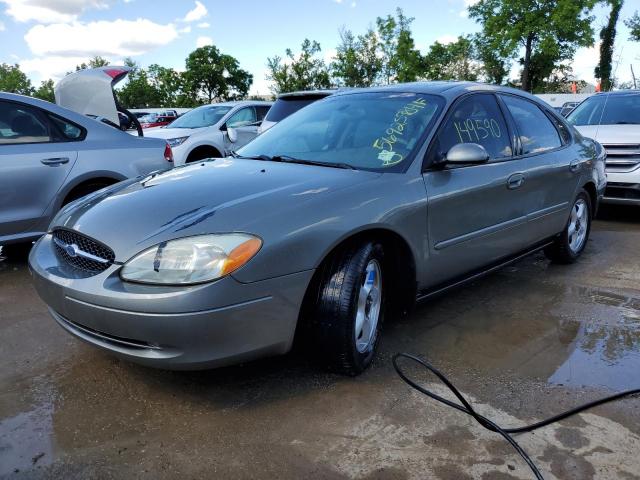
(622,157)
(82,252)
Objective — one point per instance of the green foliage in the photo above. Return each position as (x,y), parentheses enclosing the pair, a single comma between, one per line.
(453,61)
(549,31)
(401,61)
(95,62)
(13,80)
(356,63)
(494,68)
(138,92)
(211,75)
(305,71)
(45,91)
(633,24)
(608,37)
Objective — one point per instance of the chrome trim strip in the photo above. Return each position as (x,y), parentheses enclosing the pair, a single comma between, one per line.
(481,233)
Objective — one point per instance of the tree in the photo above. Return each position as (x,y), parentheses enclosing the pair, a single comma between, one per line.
(607,39)
(45,91)
(95,62)
(167,82)
(401,61)
(357,63)
(210,74)
(633,24)
(303,72)
(138,92)
(453,61)
(493,67)
(14,80)
(552,28)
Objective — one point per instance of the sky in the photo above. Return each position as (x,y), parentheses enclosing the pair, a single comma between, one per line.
(50,37)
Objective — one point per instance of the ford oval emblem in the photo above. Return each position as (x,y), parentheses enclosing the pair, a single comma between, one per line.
(72,250)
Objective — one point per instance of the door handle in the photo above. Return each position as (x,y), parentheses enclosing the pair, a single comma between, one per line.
(575,165)
(55,161)
(515,181)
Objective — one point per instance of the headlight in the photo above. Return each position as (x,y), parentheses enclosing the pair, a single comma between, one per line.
(174,142)
(192,259)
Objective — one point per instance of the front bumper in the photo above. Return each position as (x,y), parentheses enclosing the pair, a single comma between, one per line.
(623,188)
(181,328)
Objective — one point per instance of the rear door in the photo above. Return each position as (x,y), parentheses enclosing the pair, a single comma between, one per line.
(476,213)
(35,160)
(554,165)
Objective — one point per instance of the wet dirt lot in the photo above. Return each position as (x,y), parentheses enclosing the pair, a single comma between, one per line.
(523,343)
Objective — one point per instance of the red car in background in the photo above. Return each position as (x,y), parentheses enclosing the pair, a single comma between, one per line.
(156,120)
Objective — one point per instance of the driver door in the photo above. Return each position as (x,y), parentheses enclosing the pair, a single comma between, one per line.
(476,213)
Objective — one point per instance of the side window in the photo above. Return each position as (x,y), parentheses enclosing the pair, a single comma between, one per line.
(536,131)
(22,124)
(68,130)
(262,112)
(476,119)
(565,136)
(241,118)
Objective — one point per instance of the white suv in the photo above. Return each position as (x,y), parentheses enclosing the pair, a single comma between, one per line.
(211,131)
(613,119)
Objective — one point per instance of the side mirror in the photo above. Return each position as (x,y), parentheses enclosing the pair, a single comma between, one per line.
(232,134)
(466,153)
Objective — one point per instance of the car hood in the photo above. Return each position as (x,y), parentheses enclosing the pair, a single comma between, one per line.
(167,133)
(611,134)
(222,195)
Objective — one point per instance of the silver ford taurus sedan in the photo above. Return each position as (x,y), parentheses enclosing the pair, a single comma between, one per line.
(343,213)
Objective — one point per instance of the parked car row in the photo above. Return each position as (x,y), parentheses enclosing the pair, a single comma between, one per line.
(346,211)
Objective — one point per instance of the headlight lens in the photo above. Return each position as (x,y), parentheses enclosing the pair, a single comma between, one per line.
(174,142)
(191,260)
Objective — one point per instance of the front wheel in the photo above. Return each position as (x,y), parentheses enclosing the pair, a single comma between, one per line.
(570,244)
(349,309)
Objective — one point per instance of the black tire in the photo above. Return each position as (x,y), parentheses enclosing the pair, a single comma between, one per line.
(560,250)
(333,308)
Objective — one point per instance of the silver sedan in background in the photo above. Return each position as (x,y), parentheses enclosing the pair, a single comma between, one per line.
(50,156)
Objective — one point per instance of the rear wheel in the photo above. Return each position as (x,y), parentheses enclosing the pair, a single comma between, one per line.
(348,310)
(570,244)
(85,189)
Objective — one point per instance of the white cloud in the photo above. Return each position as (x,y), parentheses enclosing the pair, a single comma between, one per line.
(50,11)
(2,27)
(467,4)
(106,38)
(204,25)
(446,39)
(203,41)
(198,12)
(186,29)
(51,66)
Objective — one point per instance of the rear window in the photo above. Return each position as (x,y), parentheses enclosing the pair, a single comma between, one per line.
(288,105)
(617,109)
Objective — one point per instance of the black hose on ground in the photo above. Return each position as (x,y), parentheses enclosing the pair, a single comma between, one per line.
(506,433)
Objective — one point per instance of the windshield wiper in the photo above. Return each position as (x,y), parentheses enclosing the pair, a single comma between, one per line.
(289,159)
(302,161)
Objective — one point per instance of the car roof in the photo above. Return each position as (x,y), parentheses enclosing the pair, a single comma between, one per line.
(448,89)
(619,92)
(238,103)
(309,93)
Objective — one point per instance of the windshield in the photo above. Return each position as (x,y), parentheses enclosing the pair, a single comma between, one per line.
(369,131)
(204,116)
(618,109)
(288,105)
